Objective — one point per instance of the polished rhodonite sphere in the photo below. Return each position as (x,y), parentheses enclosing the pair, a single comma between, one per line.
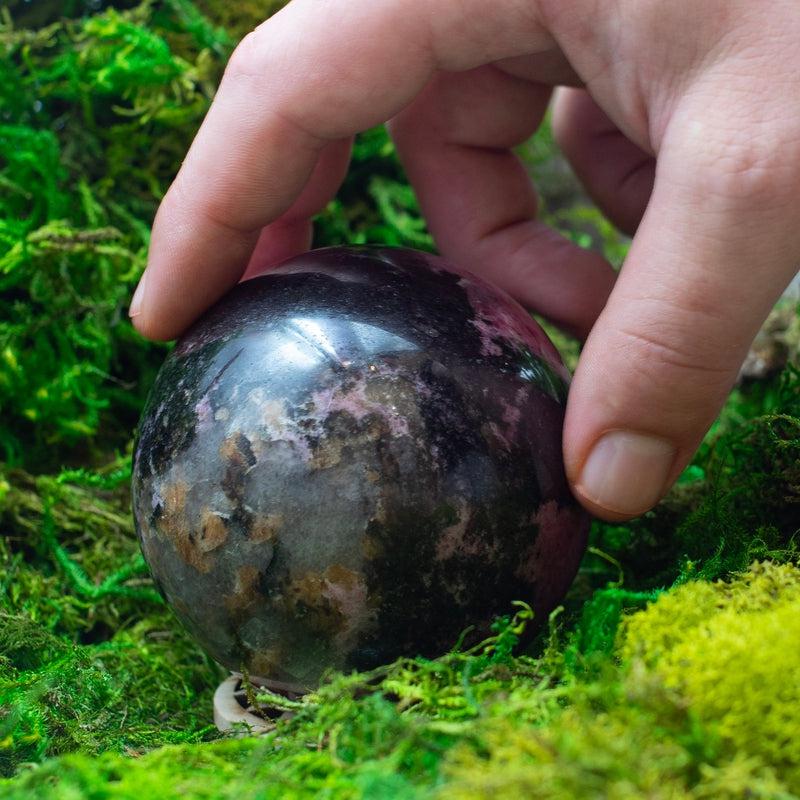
(355,457)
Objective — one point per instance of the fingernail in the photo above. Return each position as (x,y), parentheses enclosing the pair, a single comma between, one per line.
(627,472)
(138,297)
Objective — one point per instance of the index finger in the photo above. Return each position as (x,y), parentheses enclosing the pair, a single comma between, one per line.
(314,73)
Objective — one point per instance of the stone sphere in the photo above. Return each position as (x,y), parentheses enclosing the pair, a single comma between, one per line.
(355,457)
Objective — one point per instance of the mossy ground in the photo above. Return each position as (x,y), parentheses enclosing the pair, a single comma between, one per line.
(672,670)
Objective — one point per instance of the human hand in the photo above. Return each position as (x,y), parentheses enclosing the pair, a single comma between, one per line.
(686,131)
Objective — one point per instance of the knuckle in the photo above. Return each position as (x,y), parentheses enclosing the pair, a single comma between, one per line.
(752,165)
(212,207)
(245,61)
(742,170)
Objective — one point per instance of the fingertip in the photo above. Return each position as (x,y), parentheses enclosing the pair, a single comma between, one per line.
(624,474)
(145,323)
(565,114)
(598,511)
(140,319)
(137,301)
(146,327)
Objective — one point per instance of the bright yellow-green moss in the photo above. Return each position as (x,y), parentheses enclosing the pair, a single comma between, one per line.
(705,704)
(733,651)
(603,755)
(626,754)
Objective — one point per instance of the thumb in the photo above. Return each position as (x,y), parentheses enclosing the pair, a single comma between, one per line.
(718,243)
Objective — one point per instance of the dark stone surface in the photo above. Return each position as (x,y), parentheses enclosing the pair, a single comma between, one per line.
(354,457)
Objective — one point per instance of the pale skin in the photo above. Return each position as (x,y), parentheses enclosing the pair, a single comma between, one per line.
(682,121)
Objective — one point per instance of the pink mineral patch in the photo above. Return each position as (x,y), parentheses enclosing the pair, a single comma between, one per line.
(349,597)
(552,561)
(205,414)
(268,421)
(488,333)
(451,541)
(499,315)
(356,403)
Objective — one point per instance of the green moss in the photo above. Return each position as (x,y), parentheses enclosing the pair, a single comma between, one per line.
(240,17)
(729,649)
(97,113)
(90,659)
(673,718)
(652,680)
(143,688)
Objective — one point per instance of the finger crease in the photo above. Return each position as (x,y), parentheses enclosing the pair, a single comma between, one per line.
(671,355)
